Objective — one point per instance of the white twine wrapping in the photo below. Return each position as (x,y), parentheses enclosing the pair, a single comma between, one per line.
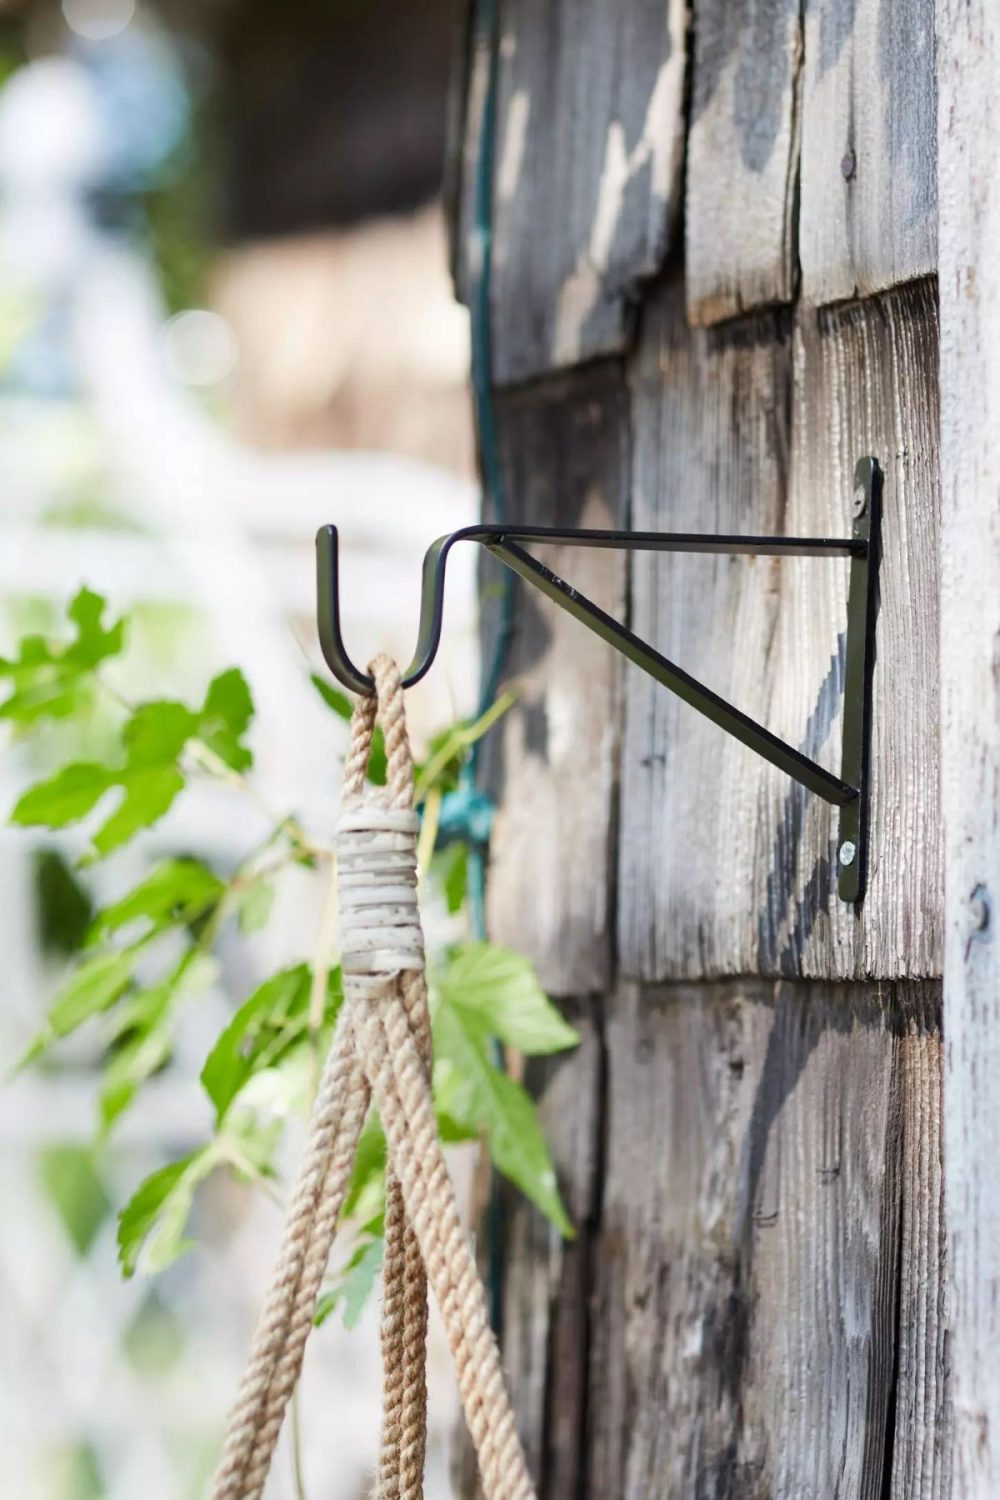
(377,890)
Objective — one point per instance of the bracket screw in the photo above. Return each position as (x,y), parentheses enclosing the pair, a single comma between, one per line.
(848,853)
(860,502)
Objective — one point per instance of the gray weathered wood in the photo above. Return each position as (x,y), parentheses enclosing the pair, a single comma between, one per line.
(581,214)
(467,85)
(969,127)
(742,167)
(553,759)
(546,1313)
(867,218)
(726,866)
(922,1456)
(757,1301)
(755,1220)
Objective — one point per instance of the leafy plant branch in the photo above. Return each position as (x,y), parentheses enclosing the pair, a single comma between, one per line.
(151,952)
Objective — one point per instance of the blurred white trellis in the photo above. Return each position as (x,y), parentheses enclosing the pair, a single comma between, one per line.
(85,1409)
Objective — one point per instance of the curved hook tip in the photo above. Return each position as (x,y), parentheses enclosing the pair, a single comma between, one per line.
(331,638)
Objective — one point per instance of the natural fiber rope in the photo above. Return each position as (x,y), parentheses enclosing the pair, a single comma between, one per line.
(382,1053)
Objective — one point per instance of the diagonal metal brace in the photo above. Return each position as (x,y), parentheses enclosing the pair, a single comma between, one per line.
(848,791)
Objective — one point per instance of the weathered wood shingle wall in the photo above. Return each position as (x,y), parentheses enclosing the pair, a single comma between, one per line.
(968,130)
(714,291)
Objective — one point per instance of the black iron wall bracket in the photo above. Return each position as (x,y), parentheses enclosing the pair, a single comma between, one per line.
(848,791)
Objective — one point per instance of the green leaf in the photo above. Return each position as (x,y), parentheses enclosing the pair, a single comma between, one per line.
(262,1032)
(225,718)
(70,1175)
(94,642)
(474,1094)
(52,680)
(144,1033)
(156,733)
(366,1193)
(150,778)
(377,769)
(151,1225)
(91,988)
(247,1043)
(334,699)
(449,1129)
(248,1144)
(56,697)
(450,868)
(176,891)
(149,781)
(253,906)
(65,909)
(148,795)
(354,1285)
(276,1092)
(500,988)
(65,797)
(145,1049)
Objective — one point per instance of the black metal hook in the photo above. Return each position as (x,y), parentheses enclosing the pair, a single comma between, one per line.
(847,791)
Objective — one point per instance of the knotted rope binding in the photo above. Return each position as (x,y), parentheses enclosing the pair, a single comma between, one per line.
(381,1052)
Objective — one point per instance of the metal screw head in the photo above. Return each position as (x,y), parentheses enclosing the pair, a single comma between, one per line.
(860,501)
(848,853)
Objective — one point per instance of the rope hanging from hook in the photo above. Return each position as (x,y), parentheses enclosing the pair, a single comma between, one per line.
(381,1053)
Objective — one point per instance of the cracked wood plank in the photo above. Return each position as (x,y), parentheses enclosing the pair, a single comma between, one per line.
(869,151)
(587,173)
(968,130)
(727,866)
(742,168)
(764,1235)
(551,764)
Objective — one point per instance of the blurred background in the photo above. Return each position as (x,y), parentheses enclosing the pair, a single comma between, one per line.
(226,317)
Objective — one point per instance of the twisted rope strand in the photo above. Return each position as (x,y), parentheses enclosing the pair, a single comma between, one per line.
(414,1414)
(402,1096)
(404,1281)
(283,1326)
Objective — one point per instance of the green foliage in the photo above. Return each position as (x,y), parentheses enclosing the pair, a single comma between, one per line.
(496,992)
(153,1221)
(486,993)
(65,909)
(225,717)
(150,774)
(178,890)
(262,1033)
(452,872)
(150,951)
(142,1038)
(476,1095)
(90,989)
(74,1185)
(54,680)
(356,1282)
